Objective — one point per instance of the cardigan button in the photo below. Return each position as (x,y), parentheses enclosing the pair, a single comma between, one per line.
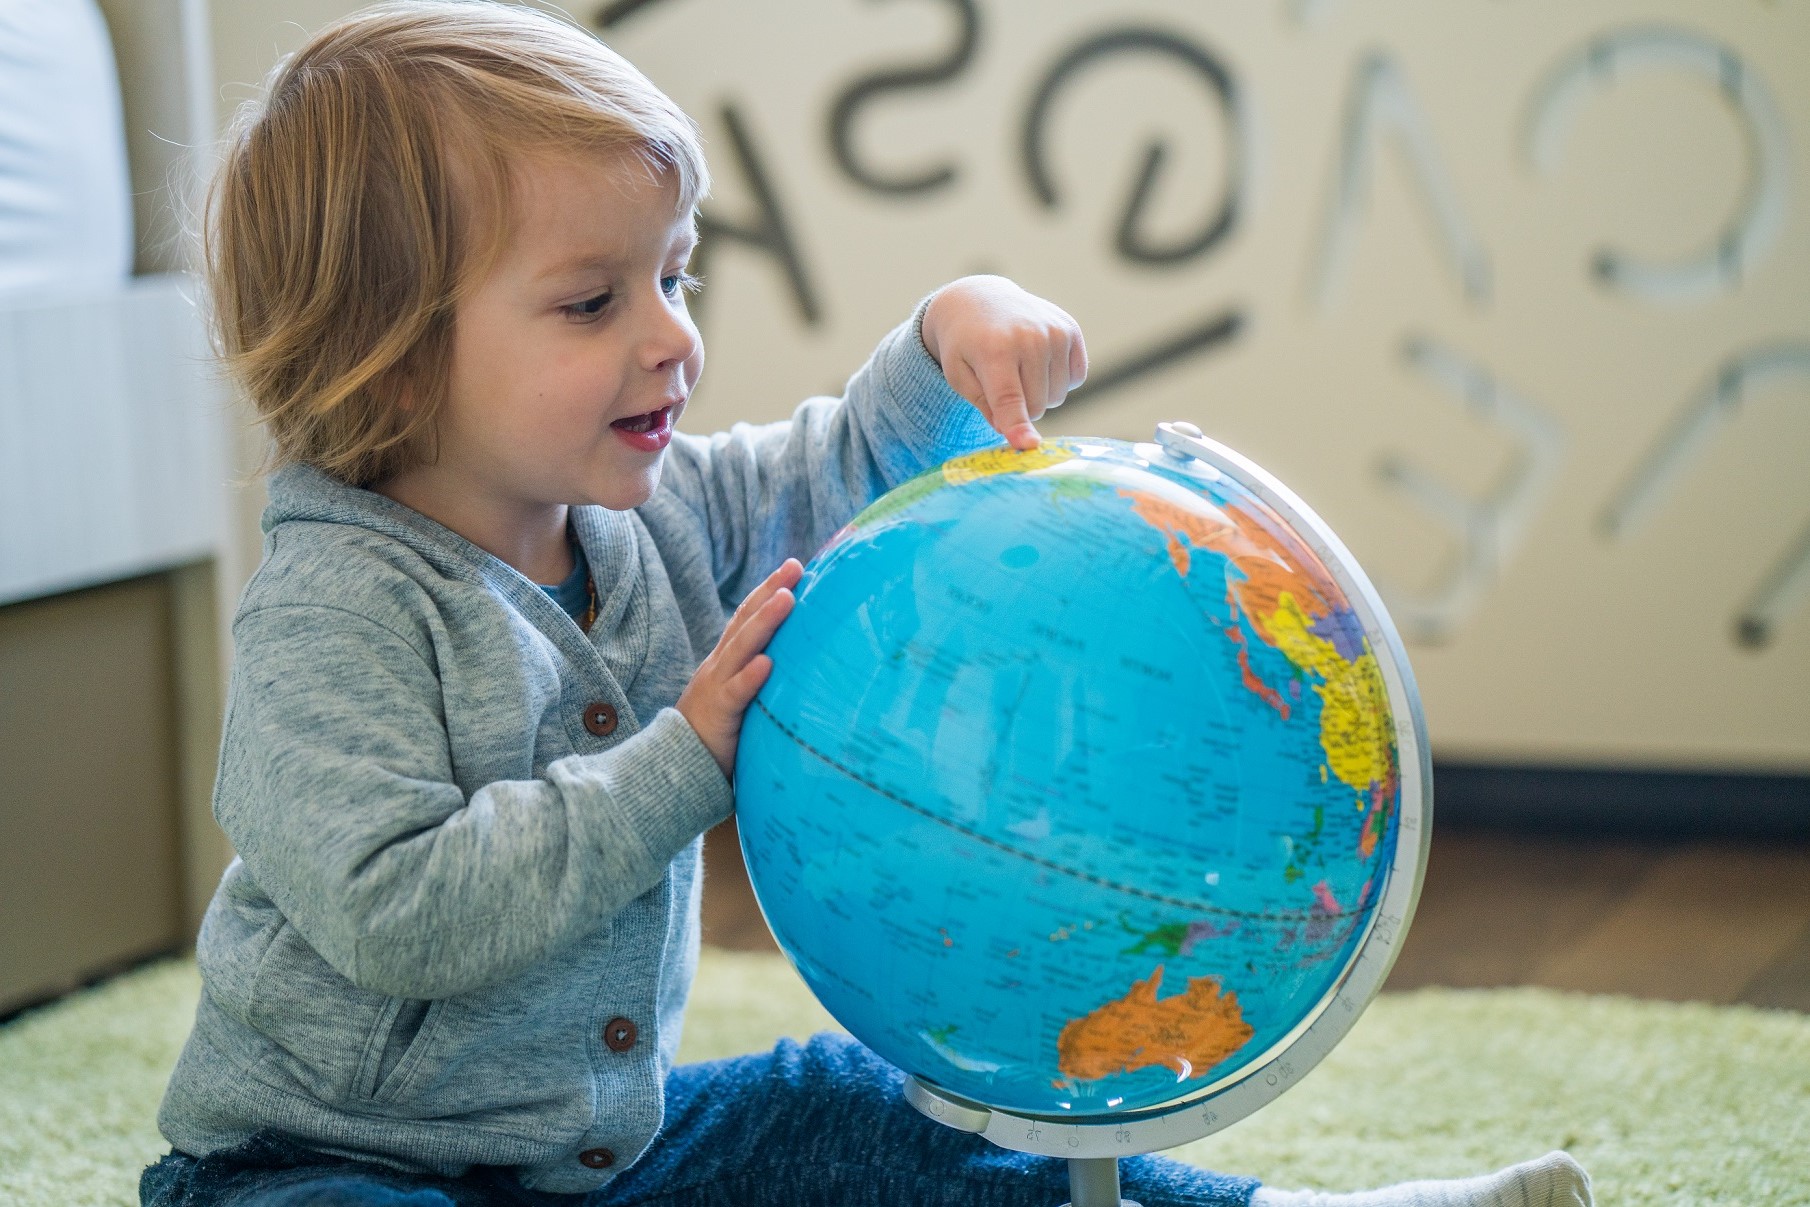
(600,718)
(619,1034)
(597,1158)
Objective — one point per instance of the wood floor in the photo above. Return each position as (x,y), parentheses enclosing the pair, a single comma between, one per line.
(1679,920)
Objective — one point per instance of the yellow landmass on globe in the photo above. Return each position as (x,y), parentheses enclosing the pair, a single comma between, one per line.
(1190,1032)
(1353,729)
(958,471)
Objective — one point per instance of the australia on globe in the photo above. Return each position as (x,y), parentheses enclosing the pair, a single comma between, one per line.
(1076,785)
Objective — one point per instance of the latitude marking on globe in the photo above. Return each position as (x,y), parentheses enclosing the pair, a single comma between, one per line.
(1047,864)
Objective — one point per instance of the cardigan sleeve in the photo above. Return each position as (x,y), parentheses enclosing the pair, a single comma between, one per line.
(338,791)
(768,492)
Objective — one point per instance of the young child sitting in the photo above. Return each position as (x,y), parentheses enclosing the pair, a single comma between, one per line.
(490,674)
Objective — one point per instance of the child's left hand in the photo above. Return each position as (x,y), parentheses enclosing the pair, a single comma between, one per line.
(1010,353)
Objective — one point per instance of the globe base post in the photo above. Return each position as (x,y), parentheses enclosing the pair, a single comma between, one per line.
(1094,1182)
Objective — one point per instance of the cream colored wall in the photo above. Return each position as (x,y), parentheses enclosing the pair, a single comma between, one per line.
(1471,361)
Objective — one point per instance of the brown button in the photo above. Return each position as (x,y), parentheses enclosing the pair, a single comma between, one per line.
(597,1158)
(600,718)
(619,1034)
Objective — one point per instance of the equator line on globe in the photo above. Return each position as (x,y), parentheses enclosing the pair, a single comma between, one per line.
(1077,790)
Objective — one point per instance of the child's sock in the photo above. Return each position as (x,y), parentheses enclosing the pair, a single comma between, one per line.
(1554,1180)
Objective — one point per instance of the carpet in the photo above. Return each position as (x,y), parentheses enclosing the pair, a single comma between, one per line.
(1662,1103)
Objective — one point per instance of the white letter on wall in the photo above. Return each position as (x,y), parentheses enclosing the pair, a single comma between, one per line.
(1786,586)
(1761,213)
(1379,104)
(1487,530)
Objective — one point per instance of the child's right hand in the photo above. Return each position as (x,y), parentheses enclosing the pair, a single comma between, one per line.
(725,682)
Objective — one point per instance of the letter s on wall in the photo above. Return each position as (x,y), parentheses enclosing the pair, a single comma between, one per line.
(856,96)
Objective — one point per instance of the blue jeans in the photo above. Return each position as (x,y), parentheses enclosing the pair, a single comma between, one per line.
(823,1124)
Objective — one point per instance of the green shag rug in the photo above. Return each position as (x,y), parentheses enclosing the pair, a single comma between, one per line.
(1662,1103)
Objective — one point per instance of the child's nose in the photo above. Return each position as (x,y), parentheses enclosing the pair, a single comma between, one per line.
(672,339)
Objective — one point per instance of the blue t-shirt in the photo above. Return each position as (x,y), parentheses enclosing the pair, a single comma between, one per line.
(573,594)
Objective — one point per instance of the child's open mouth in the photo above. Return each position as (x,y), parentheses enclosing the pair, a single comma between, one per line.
(649,433)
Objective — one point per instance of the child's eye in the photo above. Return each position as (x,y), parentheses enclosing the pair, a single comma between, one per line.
(587,310)
(677,283)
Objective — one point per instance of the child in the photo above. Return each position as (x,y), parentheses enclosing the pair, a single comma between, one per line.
(490,675)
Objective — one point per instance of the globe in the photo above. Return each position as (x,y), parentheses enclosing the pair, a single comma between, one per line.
(1079,786)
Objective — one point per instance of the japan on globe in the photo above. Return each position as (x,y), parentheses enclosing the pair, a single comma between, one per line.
(1089,788)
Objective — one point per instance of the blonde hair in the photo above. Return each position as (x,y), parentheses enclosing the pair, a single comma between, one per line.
(370,189)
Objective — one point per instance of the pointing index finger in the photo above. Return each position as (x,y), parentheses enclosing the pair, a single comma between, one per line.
(1003,392)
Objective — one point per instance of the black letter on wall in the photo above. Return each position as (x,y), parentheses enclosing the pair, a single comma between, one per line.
(768,232)
(1129,240)
(857,95)
(613,12)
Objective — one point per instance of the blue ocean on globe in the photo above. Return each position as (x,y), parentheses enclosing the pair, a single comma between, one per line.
(1075,784)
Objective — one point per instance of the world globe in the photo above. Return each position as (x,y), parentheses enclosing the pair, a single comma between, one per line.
(1089,787)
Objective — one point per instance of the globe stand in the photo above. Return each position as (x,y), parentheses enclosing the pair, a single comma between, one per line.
(1092,1181)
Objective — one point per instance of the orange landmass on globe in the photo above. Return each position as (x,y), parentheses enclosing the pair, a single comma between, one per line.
(1252,681)
(1382,802)
(1269,567)
(1190,1032)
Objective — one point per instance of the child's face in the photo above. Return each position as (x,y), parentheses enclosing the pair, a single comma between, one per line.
(574,357)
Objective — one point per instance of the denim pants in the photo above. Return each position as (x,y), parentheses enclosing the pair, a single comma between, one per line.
(823,1124)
